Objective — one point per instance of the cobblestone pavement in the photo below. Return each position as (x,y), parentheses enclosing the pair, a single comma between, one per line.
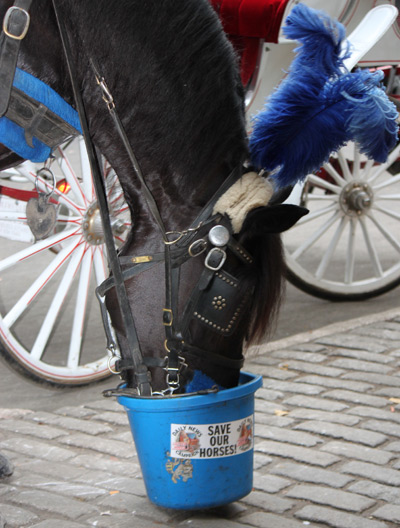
(327,448)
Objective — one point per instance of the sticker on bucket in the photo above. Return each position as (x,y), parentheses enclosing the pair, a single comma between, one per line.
(212,440)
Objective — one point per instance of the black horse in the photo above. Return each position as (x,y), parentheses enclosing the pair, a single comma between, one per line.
(174,78)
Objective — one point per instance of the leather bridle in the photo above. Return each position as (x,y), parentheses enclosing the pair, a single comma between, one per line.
(209,234)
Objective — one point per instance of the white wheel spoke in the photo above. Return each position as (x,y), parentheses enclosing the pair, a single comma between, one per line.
(366,170)
(71,178)
(38,247)
(324,184)
(356,163)
(46,275)
(344,166)
(311,240)
(100,266)
(373,254)
(56,304)
(388,212)
(387,197)
(351,253)
(315,214)
(389,237)
(390,181)
(326,197)
(380,169)
(334,174)
(331,248)
(75,344)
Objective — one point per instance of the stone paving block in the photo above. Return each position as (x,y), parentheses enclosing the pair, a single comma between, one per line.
(389,512)
(376,491)
(310,357)
(269,395)
(311,474)
(265,501)
(351,434)
(393,446)
(342,500)
(112,418)
(52,523)
(372,412)
(300,454)
(315,403)
(72,424)
(272,372)
(95,443)
(366,366)
(14,517)
(372,472)
(51,503)
(105,404)
(209,523)
(263,406)
(270,520)
(379,332)
(290,386)
(125,437)
(353,341)
(286,435)
(37,449)
(269,483)
(390,392)
(371,377)
(351,450)
(75,412)
(324,416)
(13,414)
(337,383)
(277,421)
(386,427)
(261,461)
(356,397)
(336,519)
(320,370)
(361,355)
(260,360)
(106,463)
(31,429)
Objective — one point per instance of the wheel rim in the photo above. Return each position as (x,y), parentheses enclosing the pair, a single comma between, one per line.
(348,244)
(50,322)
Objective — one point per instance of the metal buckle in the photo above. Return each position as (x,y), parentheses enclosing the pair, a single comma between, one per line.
(197,247)
(221,256)
(7,19)
(168,317)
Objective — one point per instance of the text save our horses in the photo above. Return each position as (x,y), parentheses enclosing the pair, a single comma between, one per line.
(175,84)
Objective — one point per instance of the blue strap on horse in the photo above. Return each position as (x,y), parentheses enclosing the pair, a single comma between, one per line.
(37,119)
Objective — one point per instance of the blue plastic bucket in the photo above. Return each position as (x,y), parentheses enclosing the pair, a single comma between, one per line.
(196,451)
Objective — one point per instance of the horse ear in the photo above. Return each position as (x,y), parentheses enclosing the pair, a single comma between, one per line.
(272,219)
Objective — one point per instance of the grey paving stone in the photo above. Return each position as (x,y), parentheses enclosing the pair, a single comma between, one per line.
(37,449)
(104,404)
(270,520)
(31,429)
(311,357)
(72,424)
(380,332)
(351,434)
(324,416)
(361,355)
(265,501)
(337,383)
(269,395)
(261,360)
(393,446)
(311,474)
(286,435)
(386,427)
(372,412)
(389,512)
(390,392)
(290,386)
(300,454)
(103,445)
(310,347)
(320,370)
(122,520)
(52,523)
(372,472)
(350,450)
(376,491)
(266,407)
(273,373)
(105,463)
(76,412)
(356,397)
(208,523)
(261,461)
(13,516)
(112,418)
(50,503)
(276,421)
(371,377)
(315,403)
(366,366)
(336,519)
(270,483)
(353,341)
(342,500)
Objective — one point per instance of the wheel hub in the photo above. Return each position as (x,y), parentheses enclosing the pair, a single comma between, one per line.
(93,228)
(356,198)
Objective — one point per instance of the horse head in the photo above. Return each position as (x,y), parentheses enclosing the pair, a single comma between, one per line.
(175,84)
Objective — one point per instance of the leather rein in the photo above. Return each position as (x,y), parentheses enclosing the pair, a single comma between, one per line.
(209,233)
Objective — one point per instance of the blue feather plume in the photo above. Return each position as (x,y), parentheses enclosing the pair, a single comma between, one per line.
(320,106)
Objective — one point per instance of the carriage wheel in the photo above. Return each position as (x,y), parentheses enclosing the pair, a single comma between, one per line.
(348,247)
(50,324)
